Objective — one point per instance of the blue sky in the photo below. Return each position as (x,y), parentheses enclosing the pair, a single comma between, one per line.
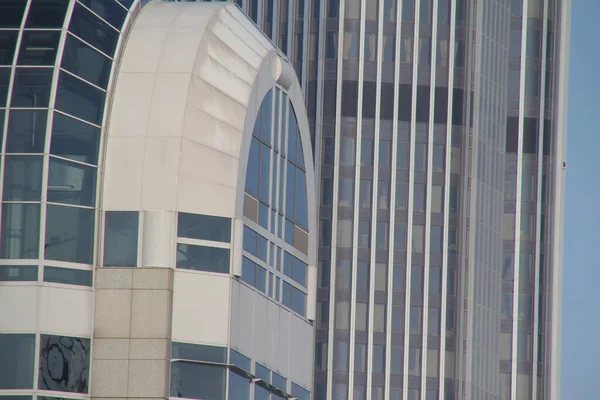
(581,290)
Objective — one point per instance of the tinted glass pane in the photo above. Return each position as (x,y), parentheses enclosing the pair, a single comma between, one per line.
(298,301)
(18,273)
(79,99)
(197,381)
(38,48)
(74,139)
(4,79)
(84,61)
(205,227)
(94,31)
(69,234)
(301,206)
(239,387)
(121,238)
(11,13)
(64,363)
(47,13)
(18,354)
(26,131)
(126,3)
(19,237)
(198,352)
(22,178)
(68,275)
(8,42)
(253,167)
(71,183)
(108,10)
(32,87)
(202,258)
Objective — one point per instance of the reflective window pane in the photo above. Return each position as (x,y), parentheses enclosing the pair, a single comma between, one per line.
(46,14)
(79,99)
(71,183)
(109,11)
(121,238)
(4,79)
(8,43)
(64,363)
(203,227)
(69,276)
(69,234)
(94,31)
(74,139)
(202,258)
(197,381)
(38,48)
(19,237)
(86,62)
(32,87)
(18,273)
(26,131)
(11,13)
(18,359)
(22,178)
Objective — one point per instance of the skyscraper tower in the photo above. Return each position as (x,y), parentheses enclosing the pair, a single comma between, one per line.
(439,132)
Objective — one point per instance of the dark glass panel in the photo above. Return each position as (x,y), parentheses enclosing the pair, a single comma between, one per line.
(512,134)
(198,352)
(202,258)
(11,13)
(38,48)
(18,273)
(32,87)
(457,107)
(69,234)
(85,25)
(440,110)
(422,103)
(4,79)
(197,381)
(22,178)
(26,131)
(47,14)
(404,102)
(20,233)
(369,99)
(64,363)
(18,359)
(68,276)
(121,238)
(71,183)
(108,10)
(329,98)
(74,139)
(530,135)
(239,386)
(349,98)
(126,3)
(301,205)
(387,101)
(252,169)
(8,43)
(204,227)
(79,99)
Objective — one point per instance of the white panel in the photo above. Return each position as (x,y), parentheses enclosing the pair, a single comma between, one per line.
(157,237)
(144,48)
(179,53)
(195,157)
(131,104)
(66,311)
(281,341)
(301,351)
(168,104)
(196,17)
(18,308)
(159,15)
(211,198)
(263,329)
(124,171)
(201,308)
(161,163)
(242,318)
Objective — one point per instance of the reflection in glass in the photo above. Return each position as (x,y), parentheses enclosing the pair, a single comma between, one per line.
(22,178)
(38,48)
(46,14)
(197,381)
(32,87)
(86,62)
(74,139)
(26,131)
(71,183)
(91,29)
(69,234)
(203,227)
(68,276)
(121,238)
(18,273)
(202,258)
(80,99)
(64,363)
(18,358)
(19,237)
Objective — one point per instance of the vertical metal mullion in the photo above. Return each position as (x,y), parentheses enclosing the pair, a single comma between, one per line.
(517,236)
(336,171)
(411,183)
(447,172)
(538,217)
(305,61)
(393,183)
(290,31)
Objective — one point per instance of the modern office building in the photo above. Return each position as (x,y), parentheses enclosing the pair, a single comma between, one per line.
(158,223)
(439,135)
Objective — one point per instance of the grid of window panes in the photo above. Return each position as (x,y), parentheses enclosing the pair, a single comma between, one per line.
(275,236)
(56,57)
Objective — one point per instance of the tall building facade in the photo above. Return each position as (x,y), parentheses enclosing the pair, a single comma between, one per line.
(158,233)
(439,136)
